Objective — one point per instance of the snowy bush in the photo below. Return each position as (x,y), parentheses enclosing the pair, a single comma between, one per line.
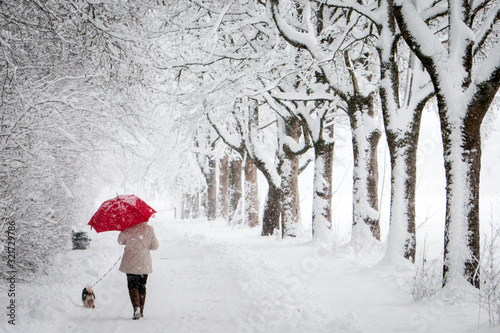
(490,277)
(427,279)
(38,209)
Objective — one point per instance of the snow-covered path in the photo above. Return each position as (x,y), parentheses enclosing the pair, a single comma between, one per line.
(211,278)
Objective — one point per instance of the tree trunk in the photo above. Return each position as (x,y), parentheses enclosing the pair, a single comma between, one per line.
(190,206)
(235,188)
(290,201)
(195,210)
(272,210)
(462,152)
(401,239)
(251,194)
(322,193)
(223,196)
(463,101)
(402,128)
(184,207)
(365,139)
(211,190)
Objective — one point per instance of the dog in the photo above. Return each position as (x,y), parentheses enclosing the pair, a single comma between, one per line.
(88,297)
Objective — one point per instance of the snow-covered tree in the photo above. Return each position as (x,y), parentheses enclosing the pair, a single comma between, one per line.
(224,187)
(460,52)
(205,144)
(324,33)
(239,48)
(246,139)
(251,194)
(235,189)
(291,221)
(404,91)
(60,64)
(317,131)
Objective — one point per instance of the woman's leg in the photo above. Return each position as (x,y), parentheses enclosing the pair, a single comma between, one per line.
(142,292)
(133,282)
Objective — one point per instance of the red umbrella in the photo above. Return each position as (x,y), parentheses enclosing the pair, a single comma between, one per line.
(120,213)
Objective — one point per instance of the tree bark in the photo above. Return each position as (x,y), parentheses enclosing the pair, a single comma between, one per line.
(402,128)
(211,179)
(235,188)
(195,209)
(401,239)
(463,101)
(322,193)
(365,139)
(462,152)
(289,172)
(223,196)
(251,196)
(184,206)
(272,210)
(190,206)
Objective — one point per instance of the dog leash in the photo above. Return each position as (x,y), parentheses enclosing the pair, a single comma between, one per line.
(107,271)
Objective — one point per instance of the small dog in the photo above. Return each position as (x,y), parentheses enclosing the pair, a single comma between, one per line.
(88,297)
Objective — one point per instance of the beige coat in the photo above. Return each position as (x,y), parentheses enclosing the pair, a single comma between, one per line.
(138,241)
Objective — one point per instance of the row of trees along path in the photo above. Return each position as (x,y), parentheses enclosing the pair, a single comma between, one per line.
(353,57)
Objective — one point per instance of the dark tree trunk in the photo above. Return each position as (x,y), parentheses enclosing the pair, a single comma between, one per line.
(463,101)
(272,210)
(365,139)
(195,207)
(463,169)
(372,182)
(402,133)
(223,195)
(235,188)
(403,177)
(403,146)
(290,201)
(251,194)
(211,190)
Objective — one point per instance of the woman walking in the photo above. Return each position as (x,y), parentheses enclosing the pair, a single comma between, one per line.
(137,262)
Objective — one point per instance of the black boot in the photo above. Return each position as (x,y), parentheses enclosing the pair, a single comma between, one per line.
(134,298)
(142,300)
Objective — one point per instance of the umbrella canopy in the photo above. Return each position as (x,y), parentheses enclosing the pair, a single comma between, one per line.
(120,213)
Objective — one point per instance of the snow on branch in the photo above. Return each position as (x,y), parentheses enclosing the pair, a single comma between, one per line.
(339,41)
(285,112)
(304,40)
(202,5)
(72,138)
(317,96)
(217,24)
(369,11)
(478,5)
(274,83)
(296,147)
(231,140)
(434,11)
(488,73)
(100,26)
(281,110)
(487,27)
(421,39)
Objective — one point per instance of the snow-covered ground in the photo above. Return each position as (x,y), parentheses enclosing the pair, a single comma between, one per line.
(210,277)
